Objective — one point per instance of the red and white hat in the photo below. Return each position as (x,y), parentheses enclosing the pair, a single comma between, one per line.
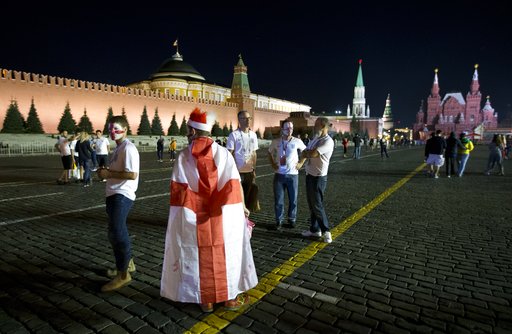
(201,120)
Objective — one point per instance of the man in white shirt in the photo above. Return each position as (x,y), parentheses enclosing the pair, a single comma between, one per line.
(243,144)
(102,147)
(283,155)
(318,153)
(122,182)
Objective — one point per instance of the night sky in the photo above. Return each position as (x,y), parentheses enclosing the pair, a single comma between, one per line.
(306,52)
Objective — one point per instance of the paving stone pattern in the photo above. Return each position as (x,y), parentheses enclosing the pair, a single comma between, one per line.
(434,257)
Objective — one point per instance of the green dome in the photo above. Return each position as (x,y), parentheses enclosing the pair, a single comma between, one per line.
(176,68)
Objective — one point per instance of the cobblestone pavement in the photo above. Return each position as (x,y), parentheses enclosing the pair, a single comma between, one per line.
(411,254)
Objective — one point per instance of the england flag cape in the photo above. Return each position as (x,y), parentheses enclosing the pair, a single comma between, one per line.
(208,256)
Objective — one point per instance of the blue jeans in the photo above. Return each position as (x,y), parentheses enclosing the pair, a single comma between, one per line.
(291,184)
(315,189)
(160,153)
(118,207)
(86,164)
(357,152)
(462,159)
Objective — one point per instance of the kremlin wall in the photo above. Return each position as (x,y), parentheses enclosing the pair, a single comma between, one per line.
(51,94)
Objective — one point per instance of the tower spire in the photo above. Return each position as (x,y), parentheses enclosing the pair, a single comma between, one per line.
(359,81)
(435,85)
(475,84)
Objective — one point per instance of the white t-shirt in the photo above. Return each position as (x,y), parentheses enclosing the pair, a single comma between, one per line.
(125,158)
(64,147)
(285,154)
(72,146)
(102,144)
(243,146)
(320,165)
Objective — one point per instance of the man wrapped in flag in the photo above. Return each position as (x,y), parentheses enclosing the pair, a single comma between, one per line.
(208,256)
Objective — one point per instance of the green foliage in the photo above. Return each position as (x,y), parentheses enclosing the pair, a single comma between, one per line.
(354,125)
(144,127)
(33,123)
(183,127)
(173,128)
(156,125)
(230,127)
(225,130)
(267,134)
(123,113)
(258,134)
(110,113)
(13,121)
(67,123)
(216,130)
(85,123)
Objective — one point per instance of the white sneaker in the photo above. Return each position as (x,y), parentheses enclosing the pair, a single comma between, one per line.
(308,233)
(327,237)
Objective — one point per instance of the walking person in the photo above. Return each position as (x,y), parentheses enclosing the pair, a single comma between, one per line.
(122,182)
(357,147)
(172,149)
(495,155)
(283,155)
(243,144)
(84,148)
(344,142)
(318,155)
(463,153)
(383,143)
(450,154)
(208,256)
(160,149)
(434,153)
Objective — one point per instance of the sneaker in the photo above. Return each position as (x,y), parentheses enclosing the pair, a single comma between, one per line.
(327,237)
(308,233)
(131,269)
(448,176)
(436,176)
(235,304)
(116,283)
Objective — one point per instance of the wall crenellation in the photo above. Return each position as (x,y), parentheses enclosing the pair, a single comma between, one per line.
(33,78)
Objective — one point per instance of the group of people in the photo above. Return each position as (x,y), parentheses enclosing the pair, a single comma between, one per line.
(454,153)
(208,256)
(160,144)
(81,154)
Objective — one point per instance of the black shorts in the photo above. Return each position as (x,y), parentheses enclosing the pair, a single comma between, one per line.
(102,160)
(66,161)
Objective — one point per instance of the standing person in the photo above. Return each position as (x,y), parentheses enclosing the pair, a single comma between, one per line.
(60,138)
(372,143)
(208,256)
(357,147)
(305,140)
(67,160)
(318,153)
(243,144)
(172,149)
(495,155)
(76,172)
(344,142)
(102,148)
(434,151)
(122,182)
(283,155)
(383,147)
(160,149)
(450,154)
(463,153)
(85,150)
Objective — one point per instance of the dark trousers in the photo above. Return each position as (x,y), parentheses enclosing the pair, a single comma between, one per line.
(315,189)
(118,207)
(450,164)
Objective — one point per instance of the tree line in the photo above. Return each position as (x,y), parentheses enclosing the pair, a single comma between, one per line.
(15,123)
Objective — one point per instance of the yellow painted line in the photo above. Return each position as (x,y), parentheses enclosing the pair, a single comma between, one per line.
(221,318)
